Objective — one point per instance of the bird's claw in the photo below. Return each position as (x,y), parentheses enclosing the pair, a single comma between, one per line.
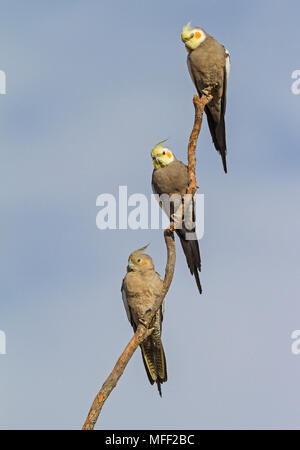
(206,92)
(143,322)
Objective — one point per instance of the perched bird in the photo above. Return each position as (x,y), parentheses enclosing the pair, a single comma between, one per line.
(170,177)
(140,287)
(209,66)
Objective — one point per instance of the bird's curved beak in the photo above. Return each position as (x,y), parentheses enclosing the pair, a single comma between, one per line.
(130,266)
(186,37)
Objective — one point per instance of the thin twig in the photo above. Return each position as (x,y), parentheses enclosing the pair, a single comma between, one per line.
(139,336)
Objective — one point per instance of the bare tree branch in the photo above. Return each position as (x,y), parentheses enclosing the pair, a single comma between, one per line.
(139,336)
(199,109)
(143,331)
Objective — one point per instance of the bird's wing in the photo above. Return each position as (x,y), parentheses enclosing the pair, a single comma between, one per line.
(159,282)
(208,68)
(162,309)
(228,64)
(127,308)
(191,71)
(163,181)
(226,78)
(215,112)
(216,115)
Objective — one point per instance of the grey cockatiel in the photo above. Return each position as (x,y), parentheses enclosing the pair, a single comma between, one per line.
(140,288)
(209,66)
(170,177)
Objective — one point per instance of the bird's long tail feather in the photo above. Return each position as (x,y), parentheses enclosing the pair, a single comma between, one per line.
(218,134)
(155,361)
(192,254)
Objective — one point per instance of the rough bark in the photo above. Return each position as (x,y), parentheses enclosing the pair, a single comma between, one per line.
(199,109)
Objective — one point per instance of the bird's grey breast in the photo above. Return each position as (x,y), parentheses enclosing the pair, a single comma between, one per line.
(170,179)
(141,284)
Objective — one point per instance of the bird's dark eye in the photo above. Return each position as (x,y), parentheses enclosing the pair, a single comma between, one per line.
(164,153)
(153,157)
(139,260)
(192,35)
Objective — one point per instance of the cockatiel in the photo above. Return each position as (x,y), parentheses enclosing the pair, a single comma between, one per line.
(140,287)
(209,66)
(170,177)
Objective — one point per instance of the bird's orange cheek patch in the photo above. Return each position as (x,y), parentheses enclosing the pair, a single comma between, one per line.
(169,155)
(143,262)
(198,35)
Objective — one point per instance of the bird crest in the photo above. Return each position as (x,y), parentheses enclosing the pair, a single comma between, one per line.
(138,252)
(158,147)
(187,28)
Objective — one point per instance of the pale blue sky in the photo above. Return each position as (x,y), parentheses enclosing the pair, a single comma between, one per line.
(91,87)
